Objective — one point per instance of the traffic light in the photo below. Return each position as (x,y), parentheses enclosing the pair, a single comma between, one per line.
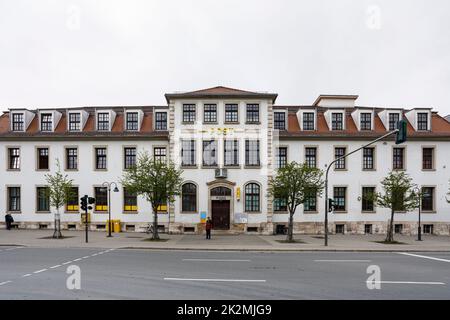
(91,200)
(84,203)
(401,134)
(330,205)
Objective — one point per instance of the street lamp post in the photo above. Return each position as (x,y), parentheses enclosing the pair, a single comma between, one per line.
(108,185)
(419,227)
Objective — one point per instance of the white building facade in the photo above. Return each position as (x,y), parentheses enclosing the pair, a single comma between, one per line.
(229,143)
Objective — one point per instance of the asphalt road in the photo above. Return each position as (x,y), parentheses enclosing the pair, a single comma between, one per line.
(41,273)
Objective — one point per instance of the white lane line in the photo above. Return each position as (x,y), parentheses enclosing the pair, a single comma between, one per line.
(5,282)
(407,282)
(26,275)
(213,280)
(342,260)
(219,260)
(79,259)
(66,263)
(93,255)
(57,266)
(85,257)
(424,257)
(42,270)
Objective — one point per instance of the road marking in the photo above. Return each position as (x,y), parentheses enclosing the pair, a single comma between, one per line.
(79,259)
(66,263)
(425,257)
(5,282)
(213,280)
(342,260)
(407,282)
(26,275)
(219,260)
(42,270)
(85,257)
(93,255)
(57,266)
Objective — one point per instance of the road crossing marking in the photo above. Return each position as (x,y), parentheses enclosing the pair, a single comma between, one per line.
(424,257)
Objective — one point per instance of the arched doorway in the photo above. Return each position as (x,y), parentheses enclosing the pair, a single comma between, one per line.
(221,197)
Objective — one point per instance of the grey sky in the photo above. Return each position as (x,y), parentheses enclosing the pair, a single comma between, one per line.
(393,53)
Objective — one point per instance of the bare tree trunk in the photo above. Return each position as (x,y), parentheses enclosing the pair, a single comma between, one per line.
(57,229)
(390,231)
(155,224)
(290,235)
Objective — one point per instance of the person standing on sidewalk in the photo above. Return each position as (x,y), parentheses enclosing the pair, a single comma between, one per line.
(9,220)
(208,228)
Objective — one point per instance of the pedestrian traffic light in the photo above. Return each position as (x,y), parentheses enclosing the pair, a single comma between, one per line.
(84,203)
(330,205)
(402,126)
(91,200)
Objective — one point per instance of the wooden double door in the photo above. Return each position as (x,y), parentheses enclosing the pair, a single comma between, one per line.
(220,214)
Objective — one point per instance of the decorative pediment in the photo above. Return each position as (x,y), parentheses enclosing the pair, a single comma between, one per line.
(221,181)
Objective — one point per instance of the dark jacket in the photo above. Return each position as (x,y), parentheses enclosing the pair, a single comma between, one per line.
(9,218)
(208,225)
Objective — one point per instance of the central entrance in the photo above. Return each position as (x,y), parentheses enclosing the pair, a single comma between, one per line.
(220,207)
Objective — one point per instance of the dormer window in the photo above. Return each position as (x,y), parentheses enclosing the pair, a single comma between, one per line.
(365,121)
(74,121)
(161,121)
(132,121)
(279,121)
(18,122)
(394,118)
(103,121)
(337,122)
(422,121)
(308,121)
(46,122)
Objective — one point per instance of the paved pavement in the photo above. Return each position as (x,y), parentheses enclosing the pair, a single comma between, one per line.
(76,239)
(41,273)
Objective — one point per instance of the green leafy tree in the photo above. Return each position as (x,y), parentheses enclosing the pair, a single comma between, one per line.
(158,181)
(59,192)
(398,195)
(295,183)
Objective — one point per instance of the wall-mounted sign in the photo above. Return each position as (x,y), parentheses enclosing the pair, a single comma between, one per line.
(240,217)
(238,193)
(203,217)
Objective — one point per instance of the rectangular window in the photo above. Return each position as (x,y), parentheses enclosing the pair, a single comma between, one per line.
(422,121)
(398,228)
(336,121)
(231,152)
(74,121)
(17,122)
(100,158)
(159,153)
(71,158)
(280,205)
(368,158)
(14,199)
(252,153)
(279,121)
(252,113)
(310,204)
(188,153)
(428,229)
(132,121)
(398,159)
(368,229)
(46,122)
(161,121)
(129,201)
(210,153)
(308,121)
(189,113)
(14,159)
(339,198)
(130,157)
(340,228)
(366,121)
(367,200)
(339,152)
(311,156)
(231,113)
(427,158)
(101,199)
(103,121)
(42,199)
(394,118)
(281,157)
(42,154)
(72,203)
(210,113)
(427,199)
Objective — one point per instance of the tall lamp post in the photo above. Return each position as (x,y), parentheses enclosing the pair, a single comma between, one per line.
(108,186)
(419,228)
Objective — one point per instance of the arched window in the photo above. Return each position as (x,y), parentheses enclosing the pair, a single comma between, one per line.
(252,196)
(220,191)
(189,197)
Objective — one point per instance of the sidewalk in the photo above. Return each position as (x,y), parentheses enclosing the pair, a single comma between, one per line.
(76,239)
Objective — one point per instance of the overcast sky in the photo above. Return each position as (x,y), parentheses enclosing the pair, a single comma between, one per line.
(393,53)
